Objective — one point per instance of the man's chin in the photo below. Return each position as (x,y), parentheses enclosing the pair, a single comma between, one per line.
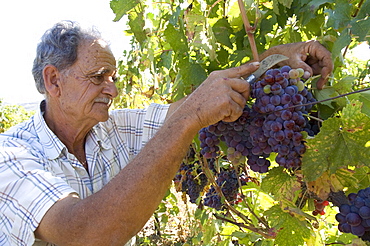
(103,117)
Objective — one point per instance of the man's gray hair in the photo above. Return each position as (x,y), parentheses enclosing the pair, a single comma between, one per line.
(58,47)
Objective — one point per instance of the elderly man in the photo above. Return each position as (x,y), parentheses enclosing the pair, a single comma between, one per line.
(75,174)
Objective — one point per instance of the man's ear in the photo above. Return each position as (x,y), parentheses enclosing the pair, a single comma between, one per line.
(51,77)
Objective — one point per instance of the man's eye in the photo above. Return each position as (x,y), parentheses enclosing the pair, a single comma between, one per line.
(97,79)
(114,79)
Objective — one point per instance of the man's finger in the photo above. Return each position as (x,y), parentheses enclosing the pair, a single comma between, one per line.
(239,85)
(238,98)
(241,71)
(325,73)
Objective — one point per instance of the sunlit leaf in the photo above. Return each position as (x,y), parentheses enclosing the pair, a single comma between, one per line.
(340,143)
(290,229)
(176,39)
(121,7)
(137,23)
(282,185)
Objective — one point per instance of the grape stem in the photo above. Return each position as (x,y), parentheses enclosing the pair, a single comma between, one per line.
(249,29)
(339,96)
(316,102)
(350,32)
(247,204)
(249,225)
(313,117)
(219,191)
(265,235)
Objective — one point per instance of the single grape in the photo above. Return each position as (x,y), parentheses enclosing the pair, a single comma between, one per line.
(300,86)
(364,212)
(293,73)
(346,228)
(340,218)
(300,72)
(285,69)
(358,230)
(267,89)
(353,219)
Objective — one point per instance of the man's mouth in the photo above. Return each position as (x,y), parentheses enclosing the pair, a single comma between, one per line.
(105,100)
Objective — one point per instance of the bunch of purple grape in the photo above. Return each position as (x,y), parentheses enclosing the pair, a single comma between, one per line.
(281,97)
(355,217)
(273,124)
(227,180)
(191,180)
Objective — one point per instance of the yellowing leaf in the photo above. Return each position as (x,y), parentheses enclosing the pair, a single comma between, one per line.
(340,143)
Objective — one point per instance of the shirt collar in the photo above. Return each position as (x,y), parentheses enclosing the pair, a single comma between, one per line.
(101,136)
(53,147)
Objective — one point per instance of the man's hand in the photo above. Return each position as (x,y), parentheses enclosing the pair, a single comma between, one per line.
(222,96)
(313,57)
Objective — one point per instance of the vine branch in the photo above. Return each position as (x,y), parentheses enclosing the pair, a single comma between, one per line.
(249,29)
(350,32)
(256,230)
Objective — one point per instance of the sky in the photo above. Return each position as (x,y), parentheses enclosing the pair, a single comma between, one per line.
(23,22)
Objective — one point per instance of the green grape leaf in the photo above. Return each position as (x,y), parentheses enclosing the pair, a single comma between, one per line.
(292,36)
(325,111)
(365,99)
(347,177)
(344,85)
(339,16)
(361,28)
(176,39)
(314,24)
(165,60)
(267,25)
(137,23)
(121,7)
(325,93)
(340,143)
(361,174)
(205,41)
(342,41)
(282,185)
(209,232)
(192,74)
(364,10)
(314,5)
(290,229)
(286,3)
(222,30)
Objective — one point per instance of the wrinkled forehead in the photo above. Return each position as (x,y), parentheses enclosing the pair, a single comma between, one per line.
(96,53)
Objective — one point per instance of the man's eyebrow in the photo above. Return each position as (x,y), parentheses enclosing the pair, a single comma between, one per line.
(100,72)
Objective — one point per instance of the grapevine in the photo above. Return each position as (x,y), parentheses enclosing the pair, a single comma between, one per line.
(278,199)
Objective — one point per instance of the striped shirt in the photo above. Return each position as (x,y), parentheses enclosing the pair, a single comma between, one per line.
(36,170)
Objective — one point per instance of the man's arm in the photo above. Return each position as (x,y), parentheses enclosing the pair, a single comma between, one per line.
(121,208)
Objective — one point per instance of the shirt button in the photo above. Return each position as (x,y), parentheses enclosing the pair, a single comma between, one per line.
(81,171)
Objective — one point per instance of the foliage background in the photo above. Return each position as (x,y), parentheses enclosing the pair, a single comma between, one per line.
(11,115)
